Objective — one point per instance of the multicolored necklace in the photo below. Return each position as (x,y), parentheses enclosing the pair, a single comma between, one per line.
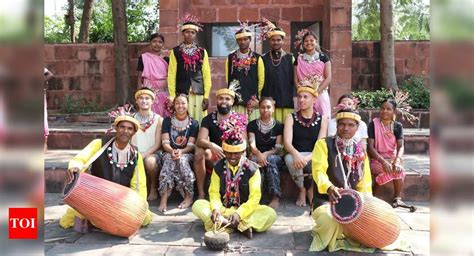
(313,121)
(353,155)
(145,121)
(113,162)
(191,56)
(263,127)
(181,125)
(243,61)
(232,184)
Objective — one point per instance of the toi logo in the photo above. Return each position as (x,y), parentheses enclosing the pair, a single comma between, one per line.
(22,223)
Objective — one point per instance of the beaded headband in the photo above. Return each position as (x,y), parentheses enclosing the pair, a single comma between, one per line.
(145,91)
(349,115)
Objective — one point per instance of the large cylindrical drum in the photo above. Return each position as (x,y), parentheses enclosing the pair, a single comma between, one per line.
(114,208)
(366,219)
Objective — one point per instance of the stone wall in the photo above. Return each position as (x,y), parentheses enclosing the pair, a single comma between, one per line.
(411,58)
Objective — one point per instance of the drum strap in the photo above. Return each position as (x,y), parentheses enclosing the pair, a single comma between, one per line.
(96,155)
(346,184)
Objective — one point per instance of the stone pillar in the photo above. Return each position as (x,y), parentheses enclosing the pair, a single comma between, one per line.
(338,39)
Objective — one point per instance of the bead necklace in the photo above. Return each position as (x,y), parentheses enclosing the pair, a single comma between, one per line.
(263,127)
(181,125)
(217,118)
(278,59)
(232,185)
(353,155)
(302,121)
(310,58)
(388,129)
(145,121)
(113,162)
(191,56)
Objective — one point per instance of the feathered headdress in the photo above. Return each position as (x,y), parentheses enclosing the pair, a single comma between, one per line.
(123,113)
(299,38)
(310,84)
(189,21)
(268,29)
(403,107)
(232,90)
(233,129)
(245,29)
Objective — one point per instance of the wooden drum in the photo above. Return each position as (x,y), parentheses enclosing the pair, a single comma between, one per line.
(366,219)
(116,209)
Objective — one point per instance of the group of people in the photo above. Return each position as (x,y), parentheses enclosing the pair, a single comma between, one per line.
(240,151)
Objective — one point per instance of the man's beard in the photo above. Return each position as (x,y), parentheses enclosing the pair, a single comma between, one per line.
(224,109)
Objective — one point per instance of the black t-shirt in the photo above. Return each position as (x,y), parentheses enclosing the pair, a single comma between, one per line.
(304,137)
(267,141)
(215,133)
(192,131)
(397,130)
(140,66)
(322,57)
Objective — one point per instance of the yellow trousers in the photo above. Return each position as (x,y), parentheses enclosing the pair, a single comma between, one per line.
(260,220)
(195,107)
(67,220)
(243,110)
(327,233)
(281,113)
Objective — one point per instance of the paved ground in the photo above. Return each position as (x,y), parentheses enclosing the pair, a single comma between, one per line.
(178,232)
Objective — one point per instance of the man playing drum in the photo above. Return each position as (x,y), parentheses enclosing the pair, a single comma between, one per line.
(338,162)
(115,159)
(235,189)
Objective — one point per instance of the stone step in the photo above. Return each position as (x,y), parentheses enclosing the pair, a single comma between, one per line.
(416,182)
(78,135)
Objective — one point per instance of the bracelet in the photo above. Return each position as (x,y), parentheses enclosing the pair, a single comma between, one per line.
(166,142)
(191,144)
(278,146)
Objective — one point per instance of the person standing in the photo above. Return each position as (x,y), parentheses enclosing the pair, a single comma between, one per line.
(153,73)
(312,62)
(279,82)
(246,67)
(189,72)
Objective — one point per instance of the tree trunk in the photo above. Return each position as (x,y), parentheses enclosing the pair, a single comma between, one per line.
(86,21)
(122,79)
(70,20)
(389,79)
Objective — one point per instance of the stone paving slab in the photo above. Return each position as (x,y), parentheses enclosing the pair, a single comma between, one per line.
(178,232)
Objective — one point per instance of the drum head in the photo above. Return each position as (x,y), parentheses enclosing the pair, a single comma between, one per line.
(68,188)
(348,208)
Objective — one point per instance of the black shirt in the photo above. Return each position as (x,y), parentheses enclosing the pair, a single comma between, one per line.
(397,130)
(305,137)
(192,131)
(267,141)
(215,133)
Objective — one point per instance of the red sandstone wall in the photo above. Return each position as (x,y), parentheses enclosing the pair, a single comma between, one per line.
(411,58)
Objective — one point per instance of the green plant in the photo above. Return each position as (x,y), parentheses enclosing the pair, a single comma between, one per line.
(372,99)
(419,95)
(81,105)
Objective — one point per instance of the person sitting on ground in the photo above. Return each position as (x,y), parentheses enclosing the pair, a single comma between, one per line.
(148,137)
(330,168)
(179,134)
(117,160)
(266,137)
(209,138)
(235,189)
(349,101)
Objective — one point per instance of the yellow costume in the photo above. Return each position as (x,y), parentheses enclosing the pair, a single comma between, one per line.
(259,217)
(137,182)
(328,233)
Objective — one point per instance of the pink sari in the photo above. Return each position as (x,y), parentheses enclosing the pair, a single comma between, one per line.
(386,145)
(303,69)
(154,75)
